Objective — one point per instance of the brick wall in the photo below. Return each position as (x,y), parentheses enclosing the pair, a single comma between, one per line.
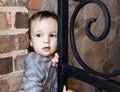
(13,47)
(14,40)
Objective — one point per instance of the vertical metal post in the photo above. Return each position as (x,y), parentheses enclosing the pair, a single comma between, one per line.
(62,40)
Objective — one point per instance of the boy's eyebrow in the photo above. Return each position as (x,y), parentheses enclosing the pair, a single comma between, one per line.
(54,32)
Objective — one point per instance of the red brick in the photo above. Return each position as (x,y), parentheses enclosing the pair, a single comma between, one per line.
(7,43)
(19,62)
(5,20)
(11,83)
(6,65)
(4,87)
(23,41)
(34,4)
(13,42)
(21,20)
(15,83)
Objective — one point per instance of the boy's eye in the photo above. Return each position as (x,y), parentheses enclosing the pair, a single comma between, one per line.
(53,35)
(38,35)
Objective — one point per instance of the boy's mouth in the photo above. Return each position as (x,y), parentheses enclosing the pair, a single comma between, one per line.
(46,48)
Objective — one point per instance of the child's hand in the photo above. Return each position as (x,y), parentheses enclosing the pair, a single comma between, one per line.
(55,60)
(64,90)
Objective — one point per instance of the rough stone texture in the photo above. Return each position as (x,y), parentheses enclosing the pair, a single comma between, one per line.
(113,7)
(6,65)
(112,33)
(74,82)
(5,21)
(84,87)
(97,55)
(115,51)
(92,11)
(49,5)
(21,20)
(107,67)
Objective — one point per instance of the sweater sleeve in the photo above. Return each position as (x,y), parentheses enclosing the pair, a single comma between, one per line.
(32,77)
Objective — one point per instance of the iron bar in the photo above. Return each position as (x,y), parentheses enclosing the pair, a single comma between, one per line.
(97,81)
(62,41)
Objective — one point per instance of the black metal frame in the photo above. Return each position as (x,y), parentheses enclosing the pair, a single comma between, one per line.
(62,41)
(88,75)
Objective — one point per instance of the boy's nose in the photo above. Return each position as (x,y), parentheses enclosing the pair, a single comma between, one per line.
(46,39)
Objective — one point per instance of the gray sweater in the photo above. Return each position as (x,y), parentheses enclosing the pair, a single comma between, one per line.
(39,74)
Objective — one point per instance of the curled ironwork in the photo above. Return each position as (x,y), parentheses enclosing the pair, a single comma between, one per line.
(90,35)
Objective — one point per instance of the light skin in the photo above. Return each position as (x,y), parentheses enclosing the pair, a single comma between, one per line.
(44,39)
(44,36)
(64,90)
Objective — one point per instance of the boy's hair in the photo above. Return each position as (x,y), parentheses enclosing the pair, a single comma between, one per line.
(40,15)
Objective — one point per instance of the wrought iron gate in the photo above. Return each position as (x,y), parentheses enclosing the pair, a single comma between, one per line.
(88,75)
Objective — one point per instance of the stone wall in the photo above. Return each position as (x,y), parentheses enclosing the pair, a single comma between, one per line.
(102,56)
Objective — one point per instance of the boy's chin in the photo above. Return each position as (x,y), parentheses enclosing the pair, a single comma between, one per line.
(46,54)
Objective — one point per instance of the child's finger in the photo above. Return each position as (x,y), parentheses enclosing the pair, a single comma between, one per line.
(56,55)
(55,59)
(64,88)
(54,63)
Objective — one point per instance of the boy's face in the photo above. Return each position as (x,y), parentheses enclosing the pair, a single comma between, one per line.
(44,36)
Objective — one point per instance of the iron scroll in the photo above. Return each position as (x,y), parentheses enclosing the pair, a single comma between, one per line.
(89,34)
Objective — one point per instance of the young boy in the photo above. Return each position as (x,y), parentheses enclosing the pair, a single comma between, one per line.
(40,73)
